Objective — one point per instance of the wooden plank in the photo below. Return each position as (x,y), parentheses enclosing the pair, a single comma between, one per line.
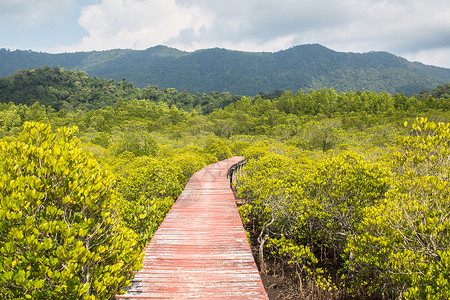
(200,250)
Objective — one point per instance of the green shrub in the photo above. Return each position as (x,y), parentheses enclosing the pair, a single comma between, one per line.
(60,236)
(307,208)
(150,185)
(218,148)
(403,248)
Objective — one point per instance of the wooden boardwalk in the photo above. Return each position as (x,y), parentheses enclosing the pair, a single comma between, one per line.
(200,251)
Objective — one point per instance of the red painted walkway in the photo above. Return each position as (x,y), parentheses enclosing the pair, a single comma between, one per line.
(200,251)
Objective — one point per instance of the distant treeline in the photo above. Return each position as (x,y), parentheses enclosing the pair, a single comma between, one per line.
(243,73)
(77,99)
(74,90)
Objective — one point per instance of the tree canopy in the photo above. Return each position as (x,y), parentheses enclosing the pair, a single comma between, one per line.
(243,73)
(339,196)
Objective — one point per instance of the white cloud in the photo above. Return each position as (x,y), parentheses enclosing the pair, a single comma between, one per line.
(137,24)
(396,26)
(437,57)
(348,25)
(27,13)
(402,27)
(261,23)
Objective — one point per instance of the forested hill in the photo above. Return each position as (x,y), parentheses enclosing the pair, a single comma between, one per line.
(245,73)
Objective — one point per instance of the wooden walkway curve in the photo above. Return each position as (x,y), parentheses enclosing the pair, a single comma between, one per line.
(200,251)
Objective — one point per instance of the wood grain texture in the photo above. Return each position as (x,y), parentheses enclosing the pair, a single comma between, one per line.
(200,250)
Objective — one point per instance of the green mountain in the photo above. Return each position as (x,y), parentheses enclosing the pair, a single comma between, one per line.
(245,73)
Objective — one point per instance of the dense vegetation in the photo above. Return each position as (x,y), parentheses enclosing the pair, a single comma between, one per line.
(340,197)
(60,234)
(356,222)
(243,73)
(75,90)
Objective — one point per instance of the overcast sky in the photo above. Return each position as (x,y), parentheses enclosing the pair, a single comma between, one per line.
(418,30)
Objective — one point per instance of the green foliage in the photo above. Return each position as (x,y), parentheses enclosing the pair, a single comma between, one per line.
(13,116)
(74,90)
(60,234)
(323,135)
(150,185)
(322,195)
(309,206)
(135,140)
(442,91)
(218,148)
(404,242)
(341,186)
(372,225)
(301,67)
(63,89)
(149,188)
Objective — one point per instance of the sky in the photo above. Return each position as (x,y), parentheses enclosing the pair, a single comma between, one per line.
(418,30)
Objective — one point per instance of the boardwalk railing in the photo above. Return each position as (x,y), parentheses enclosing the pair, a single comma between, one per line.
(233,171)
(200,251)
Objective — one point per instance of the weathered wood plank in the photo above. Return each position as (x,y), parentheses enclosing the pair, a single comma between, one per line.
(200,250)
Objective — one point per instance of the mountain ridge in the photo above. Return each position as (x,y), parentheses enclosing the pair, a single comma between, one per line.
(309,66)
